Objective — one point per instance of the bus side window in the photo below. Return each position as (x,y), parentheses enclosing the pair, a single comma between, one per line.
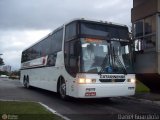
(72,57)
(51,59)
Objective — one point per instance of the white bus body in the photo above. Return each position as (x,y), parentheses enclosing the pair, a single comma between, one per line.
(51,72)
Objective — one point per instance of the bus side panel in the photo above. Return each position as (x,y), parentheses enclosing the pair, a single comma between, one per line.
(45,77)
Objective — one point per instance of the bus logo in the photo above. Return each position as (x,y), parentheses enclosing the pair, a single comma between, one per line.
(112,76)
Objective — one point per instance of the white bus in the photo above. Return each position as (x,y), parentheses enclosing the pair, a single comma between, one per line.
(81,59)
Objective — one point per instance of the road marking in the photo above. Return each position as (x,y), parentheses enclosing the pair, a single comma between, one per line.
(53,111)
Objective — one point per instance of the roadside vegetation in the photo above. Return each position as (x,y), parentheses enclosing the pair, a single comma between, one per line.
(25,111)
(141,88)
(11,75)
(1,61)
(4,73)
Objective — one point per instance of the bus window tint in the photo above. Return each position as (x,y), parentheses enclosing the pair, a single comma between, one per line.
(93,29)
(45,47)
(56,41)
(72,54)
(70,31)
(104,31)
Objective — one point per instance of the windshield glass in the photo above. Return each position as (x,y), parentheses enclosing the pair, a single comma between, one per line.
(105,57)
(103,30)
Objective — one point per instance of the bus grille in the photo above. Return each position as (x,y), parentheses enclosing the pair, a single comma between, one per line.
(111,80)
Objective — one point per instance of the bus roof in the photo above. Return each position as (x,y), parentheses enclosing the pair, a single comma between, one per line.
(78,19)
(96,21)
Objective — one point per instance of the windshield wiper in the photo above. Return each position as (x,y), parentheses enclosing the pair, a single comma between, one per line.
(105,61)
(120,63)
(107,57)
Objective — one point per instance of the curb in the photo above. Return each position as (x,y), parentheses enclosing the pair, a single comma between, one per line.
(144,100)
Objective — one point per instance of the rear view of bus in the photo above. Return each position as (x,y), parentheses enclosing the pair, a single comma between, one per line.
(82,59)
(98,56)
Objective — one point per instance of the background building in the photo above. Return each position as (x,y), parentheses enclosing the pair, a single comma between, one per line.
(145,16)
(6,68)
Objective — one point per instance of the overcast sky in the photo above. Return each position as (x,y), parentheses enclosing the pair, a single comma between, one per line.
(23,22)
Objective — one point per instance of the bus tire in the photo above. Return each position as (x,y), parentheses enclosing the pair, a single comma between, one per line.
(26,82)
(62,88)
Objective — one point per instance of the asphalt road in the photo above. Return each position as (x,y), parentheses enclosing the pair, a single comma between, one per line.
(78,109)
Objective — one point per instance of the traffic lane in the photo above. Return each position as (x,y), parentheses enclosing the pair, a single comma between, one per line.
(75,108)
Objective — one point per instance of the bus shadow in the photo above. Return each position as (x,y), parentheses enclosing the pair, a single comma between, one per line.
(80,101)
(100,101)
(43,92)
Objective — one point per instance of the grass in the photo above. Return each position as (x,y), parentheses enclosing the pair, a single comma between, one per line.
(26,111)
(141,88)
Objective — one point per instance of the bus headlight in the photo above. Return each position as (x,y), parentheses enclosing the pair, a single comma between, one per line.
(86,80)
(81,80)
(132,80)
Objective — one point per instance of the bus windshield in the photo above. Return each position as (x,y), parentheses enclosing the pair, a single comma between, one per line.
(103,31)
(105,56)
(94,47)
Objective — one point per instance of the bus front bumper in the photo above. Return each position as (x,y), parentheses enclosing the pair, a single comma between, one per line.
(105,90)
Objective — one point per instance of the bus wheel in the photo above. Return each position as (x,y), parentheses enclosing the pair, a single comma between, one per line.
(62,89)
(26,82)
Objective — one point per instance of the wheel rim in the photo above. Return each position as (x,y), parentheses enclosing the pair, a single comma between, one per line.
(26,83)
(63,90)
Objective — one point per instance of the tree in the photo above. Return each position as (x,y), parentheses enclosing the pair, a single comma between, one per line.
(16,73)
(1,62)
